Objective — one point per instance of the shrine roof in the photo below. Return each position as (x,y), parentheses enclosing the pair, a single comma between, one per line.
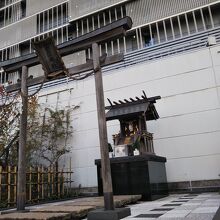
(133,107)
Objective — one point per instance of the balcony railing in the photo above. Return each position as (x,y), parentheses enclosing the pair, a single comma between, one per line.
(4,4)
(178,46)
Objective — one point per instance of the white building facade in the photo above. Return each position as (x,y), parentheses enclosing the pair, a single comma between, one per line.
(173,50)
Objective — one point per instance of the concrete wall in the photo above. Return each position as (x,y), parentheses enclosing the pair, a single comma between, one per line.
(80,8)
(143,11)
(22,30)
(34,6)
(189,128)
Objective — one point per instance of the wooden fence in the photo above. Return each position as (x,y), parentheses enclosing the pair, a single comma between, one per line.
(42,184)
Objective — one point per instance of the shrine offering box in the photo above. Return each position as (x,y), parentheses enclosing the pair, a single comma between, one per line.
(137,175)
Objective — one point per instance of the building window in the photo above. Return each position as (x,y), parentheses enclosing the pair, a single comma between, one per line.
(52,18)
(12,12)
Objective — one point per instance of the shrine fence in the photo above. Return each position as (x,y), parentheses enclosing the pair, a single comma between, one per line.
(42,184)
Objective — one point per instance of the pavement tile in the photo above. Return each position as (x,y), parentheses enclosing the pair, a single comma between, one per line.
(205,196)
(134,214)
(204,216)
(190,208)
(181,201)
(192,204)
(209,205)
(213,200)
(169,218)
(197,200)
(148,216)
(161,209)
(174,215)
(172,205)
(132,218)
(200,210)
(147,212)
(190,196)
(201,207)
(178,211)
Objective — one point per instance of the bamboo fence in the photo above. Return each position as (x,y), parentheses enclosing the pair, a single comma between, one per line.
(42,184)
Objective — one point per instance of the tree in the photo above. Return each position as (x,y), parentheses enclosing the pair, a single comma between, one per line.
(48,132)
(47,137)
(9,119)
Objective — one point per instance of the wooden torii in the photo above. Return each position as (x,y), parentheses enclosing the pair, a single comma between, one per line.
(92,39)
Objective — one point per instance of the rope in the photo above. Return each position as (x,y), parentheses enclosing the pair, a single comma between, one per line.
(80,77)
(38,90)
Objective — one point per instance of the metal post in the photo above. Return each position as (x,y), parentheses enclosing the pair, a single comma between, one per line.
(105,162)
(21,191)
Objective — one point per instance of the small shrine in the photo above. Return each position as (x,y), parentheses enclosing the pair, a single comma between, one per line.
(135,168)
(133,115)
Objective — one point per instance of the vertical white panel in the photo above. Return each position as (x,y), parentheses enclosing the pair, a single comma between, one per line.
(195,22)
(146,11)
(82,7)
(36,6)
(203,20)
(211,17)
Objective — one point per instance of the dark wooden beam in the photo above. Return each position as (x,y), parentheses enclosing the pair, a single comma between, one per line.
(110,102)
(144,94)
(121,102)
(15,64)
(103,137)
(154,99)
(150,100)
(21,186)
(115,103)
(101,35)
(49,57)
(72,71)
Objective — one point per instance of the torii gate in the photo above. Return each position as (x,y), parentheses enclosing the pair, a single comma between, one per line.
(48,54)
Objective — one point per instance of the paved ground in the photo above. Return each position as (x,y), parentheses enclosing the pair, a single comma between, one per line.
(178,207)
(173,207)
(68,210)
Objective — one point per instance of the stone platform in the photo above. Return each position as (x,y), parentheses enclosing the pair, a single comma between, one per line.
(73,209)
(137,175)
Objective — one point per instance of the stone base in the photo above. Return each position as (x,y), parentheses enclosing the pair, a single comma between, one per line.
(217,215)
(135,175)
(101,214)
(198,186)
